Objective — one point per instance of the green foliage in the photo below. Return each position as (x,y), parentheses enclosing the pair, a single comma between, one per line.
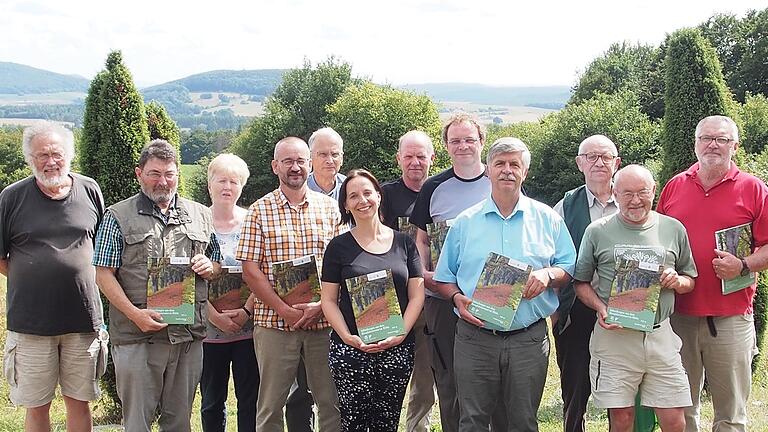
(298,107)
(556,141)
(754,115)
(371,119)
(161,126)
(694,89)
(90,138)
(12,164)
(760,313)
(198,143)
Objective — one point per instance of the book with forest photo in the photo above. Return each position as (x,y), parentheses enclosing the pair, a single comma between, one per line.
(228,291)
(499,291)
(437,232)
(171,289)
(375,305)
(737,241)
(634,294)
(296,281)
(406,227)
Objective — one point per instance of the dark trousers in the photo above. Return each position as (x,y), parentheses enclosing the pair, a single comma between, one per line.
(371,387)
(572,347)
(299,416)
(214,384)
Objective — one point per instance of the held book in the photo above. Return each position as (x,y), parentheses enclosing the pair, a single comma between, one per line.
(499,291)
(296,280)
(228,291)
(171,289)
(437,232)
(634,294)
(375,305)
(406,227)
(737,241)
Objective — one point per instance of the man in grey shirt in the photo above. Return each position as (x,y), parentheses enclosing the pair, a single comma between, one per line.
(326,148)
(49,221)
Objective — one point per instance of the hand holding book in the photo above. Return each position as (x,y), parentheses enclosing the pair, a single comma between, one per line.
(727,266)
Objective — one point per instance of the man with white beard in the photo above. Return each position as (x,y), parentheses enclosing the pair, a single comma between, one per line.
(54,310)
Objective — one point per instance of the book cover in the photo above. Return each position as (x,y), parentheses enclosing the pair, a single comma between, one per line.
(499,291)
(171,289)
(634,294)
(406,227)
(737,241)
(374,303)
(296,281)
(228,291)
(437,232)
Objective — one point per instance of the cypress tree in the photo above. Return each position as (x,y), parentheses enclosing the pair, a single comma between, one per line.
(90,138)
(694,88)
(161,126)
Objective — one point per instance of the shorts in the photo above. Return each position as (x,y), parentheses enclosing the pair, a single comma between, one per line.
(624,361)
(33,365)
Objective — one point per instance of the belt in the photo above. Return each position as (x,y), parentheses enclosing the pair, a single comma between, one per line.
(511,332)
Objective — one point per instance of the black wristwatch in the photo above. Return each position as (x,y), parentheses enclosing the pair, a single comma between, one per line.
(744,267)
(247,312)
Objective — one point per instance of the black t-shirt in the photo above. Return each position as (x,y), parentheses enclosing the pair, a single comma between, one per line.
(397,201)
(49,246)
(344,258)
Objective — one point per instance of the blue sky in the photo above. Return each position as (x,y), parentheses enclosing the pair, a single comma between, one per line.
(537,42)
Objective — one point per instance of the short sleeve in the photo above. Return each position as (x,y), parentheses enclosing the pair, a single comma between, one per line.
(420,215)
(331,261)
(250,246)
(585,264)
(414,261)
(108,249)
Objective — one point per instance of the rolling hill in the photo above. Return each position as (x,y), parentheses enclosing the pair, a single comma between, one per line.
(21,79)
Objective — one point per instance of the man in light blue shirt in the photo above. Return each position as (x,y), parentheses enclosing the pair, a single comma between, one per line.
(326,149)
(493,365)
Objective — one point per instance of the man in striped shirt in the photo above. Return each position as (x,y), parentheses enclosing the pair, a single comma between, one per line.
(289,223)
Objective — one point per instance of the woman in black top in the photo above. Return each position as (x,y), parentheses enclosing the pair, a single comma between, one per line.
(370,377)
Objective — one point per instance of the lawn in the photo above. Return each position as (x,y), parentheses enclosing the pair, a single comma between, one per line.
(550,417)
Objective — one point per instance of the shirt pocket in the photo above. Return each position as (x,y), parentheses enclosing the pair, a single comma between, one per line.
(136,247)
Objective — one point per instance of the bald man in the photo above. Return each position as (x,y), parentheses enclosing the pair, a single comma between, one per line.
(623,359)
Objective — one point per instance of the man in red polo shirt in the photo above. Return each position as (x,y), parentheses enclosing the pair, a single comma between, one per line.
(717,330)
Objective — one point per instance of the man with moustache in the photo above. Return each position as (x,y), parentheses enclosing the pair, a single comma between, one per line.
(598,160)
(504,368)
(718,330)
(289,223)
(157,365)
(415,155)
(441,199)
(623,360)
(327,150)
(54,311)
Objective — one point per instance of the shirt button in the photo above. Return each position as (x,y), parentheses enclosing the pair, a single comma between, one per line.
(706,194)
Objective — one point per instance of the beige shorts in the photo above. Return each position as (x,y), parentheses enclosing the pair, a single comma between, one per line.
(33,365)
(623,360)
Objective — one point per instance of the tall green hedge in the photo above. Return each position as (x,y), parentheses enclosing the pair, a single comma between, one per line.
(693,89)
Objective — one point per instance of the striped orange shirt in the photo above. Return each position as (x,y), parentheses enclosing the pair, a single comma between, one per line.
(274,231)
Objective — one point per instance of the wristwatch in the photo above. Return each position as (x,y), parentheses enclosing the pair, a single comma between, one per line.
(744,267)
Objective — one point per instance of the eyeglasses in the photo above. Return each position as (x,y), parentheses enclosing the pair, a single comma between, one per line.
(43,157)
(707,140)
(289,162)
(156,175)
(467,140)
(593,157)
(642,194)
(324,155)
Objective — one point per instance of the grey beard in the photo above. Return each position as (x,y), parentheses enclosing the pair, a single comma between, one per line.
(51,182)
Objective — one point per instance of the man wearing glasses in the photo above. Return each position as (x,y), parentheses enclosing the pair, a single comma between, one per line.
(157,365)
(54,311)
(327,150)
(289,223)
(624,359)
(441,199)
(717,329)
(573,323)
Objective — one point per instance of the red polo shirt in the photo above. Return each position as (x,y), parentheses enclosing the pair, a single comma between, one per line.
(739,198)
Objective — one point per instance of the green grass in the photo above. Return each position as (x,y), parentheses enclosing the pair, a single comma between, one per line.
(550,417)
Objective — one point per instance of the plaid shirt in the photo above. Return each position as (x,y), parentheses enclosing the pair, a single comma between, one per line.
(274,231)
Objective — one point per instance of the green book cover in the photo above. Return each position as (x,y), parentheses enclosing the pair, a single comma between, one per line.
(171,289)
(406,227)
(634,294)
(499,291)
(374,303)
(437,232)
(228,291)
(737,241)
(296,280)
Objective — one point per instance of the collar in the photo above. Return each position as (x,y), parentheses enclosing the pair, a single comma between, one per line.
(523,204)
(177,212)
(337,180)
(591,197)
(282,200)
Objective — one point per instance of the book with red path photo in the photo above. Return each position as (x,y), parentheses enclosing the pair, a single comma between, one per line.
(171,289)
(375,305)
(296,281)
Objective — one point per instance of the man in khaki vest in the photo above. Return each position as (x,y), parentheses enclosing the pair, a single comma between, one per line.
(156,364)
